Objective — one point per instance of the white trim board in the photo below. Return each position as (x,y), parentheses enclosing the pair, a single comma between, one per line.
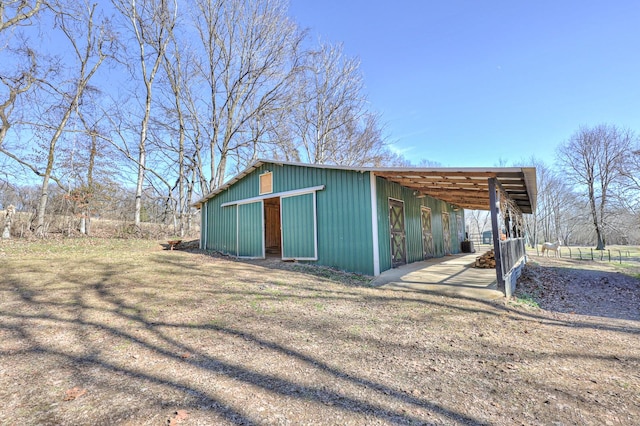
(374,224)
(203,241)
(284,194)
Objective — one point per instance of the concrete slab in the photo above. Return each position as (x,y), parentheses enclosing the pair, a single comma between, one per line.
(449,275)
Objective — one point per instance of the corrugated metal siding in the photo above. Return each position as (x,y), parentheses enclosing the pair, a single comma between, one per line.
(298,227)
(250,230)
(412,205)
(343,212)
(344,222)
(460,229)
(221,232)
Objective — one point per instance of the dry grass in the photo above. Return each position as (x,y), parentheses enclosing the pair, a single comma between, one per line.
(148,332)
(61,226)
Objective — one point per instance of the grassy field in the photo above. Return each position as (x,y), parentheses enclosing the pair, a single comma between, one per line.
(98,331)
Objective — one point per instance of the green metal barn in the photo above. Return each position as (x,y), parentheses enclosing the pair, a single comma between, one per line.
(364,220)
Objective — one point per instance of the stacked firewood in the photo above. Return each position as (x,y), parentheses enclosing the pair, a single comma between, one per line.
(487,260)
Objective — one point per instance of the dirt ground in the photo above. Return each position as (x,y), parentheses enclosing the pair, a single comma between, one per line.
(122,332)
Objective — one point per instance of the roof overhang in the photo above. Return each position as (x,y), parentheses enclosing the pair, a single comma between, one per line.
(465,187)
(468,187)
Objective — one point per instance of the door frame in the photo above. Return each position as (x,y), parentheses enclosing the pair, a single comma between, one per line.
(424,251)
(446,234)
(396,201)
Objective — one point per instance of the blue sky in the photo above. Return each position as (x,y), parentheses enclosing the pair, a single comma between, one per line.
(481,83)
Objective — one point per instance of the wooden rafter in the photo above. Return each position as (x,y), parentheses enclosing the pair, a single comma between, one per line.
(468,189)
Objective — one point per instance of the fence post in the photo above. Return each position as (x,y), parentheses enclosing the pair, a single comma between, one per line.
(620,253)
(570,257)
(580,251)
(494,208)
(609,251)
(591,254)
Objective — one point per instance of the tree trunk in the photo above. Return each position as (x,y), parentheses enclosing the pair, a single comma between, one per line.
(594,214)
(139,182)
(42,205)
(8,219)
(142,146)
(222,166)
(86,214)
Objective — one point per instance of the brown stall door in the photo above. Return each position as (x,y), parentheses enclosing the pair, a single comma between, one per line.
(272,234)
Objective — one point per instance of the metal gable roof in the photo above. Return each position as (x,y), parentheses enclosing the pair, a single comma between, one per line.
(466,187)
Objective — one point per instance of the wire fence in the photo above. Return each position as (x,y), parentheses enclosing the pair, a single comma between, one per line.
(584,253)
(616,254)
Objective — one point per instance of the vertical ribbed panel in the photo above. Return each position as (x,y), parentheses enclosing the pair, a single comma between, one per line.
(343,212)
(298,227)
(413,227)
(250,230)
(344,222)
(221,235)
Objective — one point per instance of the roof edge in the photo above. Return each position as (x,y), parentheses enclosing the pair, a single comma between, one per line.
(528,172)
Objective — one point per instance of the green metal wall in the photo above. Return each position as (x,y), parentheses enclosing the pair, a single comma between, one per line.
(344,230)
(343,213)
(413,224)
(298,227)
(250,230)
(221,229)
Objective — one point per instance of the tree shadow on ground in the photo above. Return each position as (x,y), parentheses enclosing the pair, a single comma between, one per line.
(584,292)
(325,272)
(591,300)
(100,311)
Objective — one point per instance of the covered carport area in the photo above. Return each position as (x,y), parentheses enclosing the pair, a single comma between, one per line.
(451,275)
(507,192)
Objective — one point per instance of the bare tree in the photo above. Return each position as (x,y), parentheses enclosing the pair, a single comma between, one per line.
(360,142)
(87,42)
(91,169)
(330,96)
(328,122)
(632,170)
(14,85)
(151,22)
(477,222)
(180,76)
(595,159)
(547,217)
(249,56)
(16,12)
(20,74)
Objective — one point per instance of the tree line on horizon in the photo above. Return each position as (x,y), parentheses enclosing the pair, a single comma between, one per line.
(169,98)
(131,110)
(589,196)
